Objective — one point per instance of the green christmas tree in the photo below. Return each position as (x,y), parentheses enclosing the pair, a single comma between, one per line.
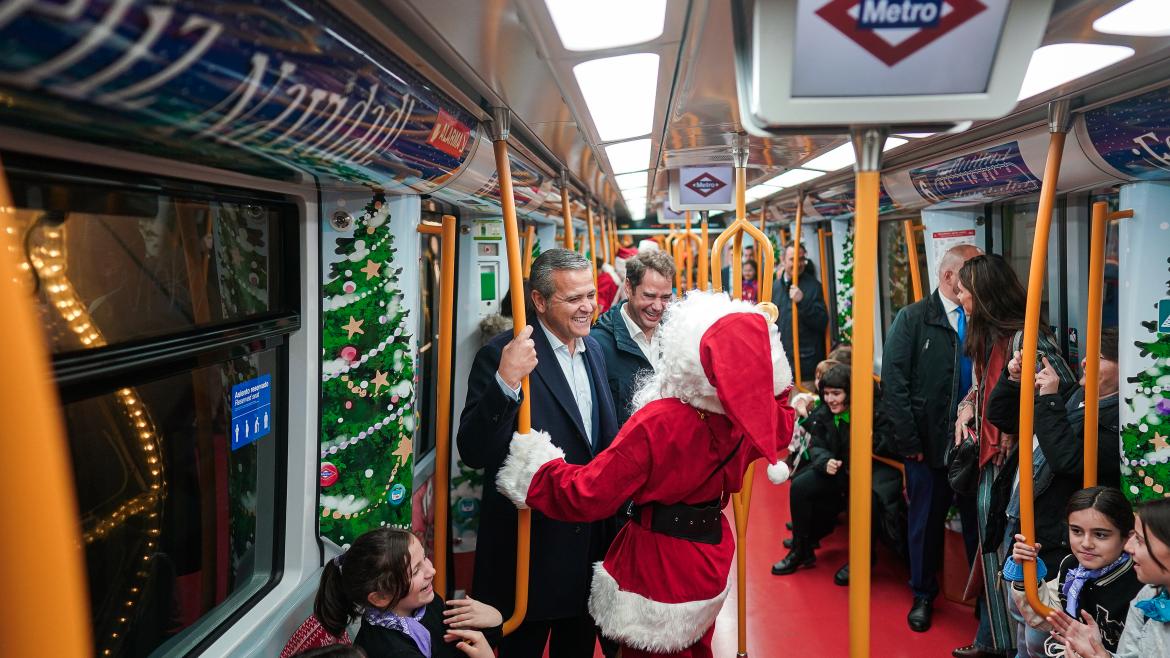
(899,269)
(367,406)
(845,291)
(1145,443)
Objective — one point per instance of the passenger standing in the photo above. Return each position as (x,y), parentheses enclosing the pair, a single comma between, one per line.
(924,376)
(626,333)
(751,285)
(570,401)
(994,300)
(811,309)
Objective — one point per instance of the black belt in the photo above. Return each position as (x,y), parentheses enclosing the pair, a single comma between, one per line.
(697,523)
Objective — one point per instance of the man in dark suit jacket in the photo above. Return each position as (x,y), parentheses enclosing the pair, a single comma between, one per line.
(924,376)
(572,403)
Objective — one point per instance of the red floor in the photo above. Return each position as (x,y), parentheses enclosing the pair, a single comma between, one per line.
(805,614)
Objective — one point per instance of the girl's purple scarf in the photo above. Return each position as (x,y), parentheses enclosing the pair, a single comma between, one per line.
(1076,578)
(411,626)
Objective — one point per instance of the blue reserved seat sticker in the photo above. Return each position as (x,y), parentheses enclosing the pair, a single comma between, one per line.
(1164,316)
(251,411)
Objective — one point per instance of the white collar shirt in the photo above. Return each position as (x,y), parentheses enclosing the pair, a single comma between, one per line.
(952,311)
(576,374)
(644,342)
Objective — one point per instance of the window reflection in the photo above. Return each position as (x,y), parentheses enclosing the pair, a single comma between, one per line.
(168,510)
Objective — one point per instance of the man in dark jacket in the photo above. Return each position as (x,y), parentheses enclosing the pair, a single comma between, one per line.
(571,402)
(812,313)
(626,332)
(924,376)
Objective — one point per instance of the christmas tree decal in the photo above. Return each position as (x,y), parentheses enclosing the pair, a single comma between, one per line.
(1145,444)
(367,417)
(899,269)
(845,291)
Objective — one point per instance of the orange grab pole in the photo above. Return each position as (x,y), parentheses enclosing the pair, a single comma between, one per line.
(912,256)
(1028,368)
(568,217)
(443,404)
(759,249)
(1100,230)
(795,279)
(603,238)
(704,245)
(741,502)
(524,418)
(529,243)
(821,235)
(592,249)
(49,574)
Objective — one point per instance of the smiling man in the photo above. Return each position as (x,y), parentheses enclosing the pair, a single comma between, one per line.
(570,401)
(626,332)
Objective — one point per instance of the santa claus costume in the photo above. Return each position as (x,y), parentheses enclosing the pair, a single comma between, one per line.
(716,402)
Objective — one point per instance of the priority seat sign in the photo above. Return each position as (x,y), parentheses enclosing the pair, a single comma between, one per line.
(251,411)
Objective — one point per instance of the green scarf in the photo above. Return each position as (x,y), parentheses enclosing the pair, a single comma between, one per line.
(842,417)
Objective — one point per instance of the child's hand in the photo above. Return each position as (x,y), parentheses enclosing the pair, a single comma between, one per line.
(801,404)
(472,643)
(469,613)
(833,466)
(1023,552)
(1014,367)
(1047,381)
(1084,639)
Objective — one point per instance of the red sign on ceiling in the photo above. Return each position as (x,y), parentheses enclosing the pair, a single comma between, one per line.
(449,135)
(705,185)
(880,26)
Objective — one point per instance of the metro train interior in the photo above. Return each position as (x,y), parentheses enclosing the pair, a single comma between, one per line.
(253,248)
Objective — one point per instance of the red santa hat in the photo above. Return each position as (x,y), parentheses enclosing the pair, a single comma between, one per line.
(736,357)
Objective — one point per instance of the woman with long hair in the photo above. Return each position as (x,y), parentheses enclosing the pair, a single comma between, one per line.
(993,302)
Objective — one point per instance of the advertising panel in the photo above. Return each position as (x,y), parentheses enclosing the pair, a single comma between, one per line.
(979,177)
(1131,136)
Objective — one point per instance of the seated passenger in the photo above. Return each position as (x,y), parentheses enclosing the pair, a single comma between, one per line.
(1147,626)
(1097,577)
(819,491)
(385,579)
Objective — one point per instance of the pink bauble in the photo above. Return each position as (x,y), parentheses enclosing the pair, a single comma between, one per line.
(348,404)
(394,399)
(349,353)
(349,286)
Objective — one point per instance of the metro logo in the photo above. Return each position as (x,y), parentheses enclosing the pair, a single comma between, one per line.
(883,13)
(892,30)
(706,185)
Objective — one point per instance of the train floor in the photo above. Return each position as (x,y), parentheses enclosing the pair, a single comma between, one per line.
(805,614)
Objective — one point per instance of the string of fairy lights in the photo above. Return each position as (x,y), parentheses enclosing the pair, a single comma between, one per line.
(49,258)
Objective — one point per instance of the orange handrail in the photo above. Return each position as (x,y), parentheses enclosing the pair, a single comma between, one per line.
(868,145)
(566,214)
(603,238)
(912,256)
(797,381)
(592,250)
(741,502)
(1100,231)
(694,247)
(529,243)
(519,321)
(446,346)
(48,574)
(821,235)
(704,245)
(1036,275)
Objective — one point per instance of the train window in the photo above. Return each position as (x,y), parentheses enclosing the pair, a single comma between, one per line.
(175,522)
(1109,303)
(168,306)
(897,282)
(1019,232)
(142,263)
(428,341)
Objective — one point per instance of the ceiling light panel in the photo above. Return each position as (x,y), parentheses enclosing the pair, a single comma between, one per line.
(598,24)
(843,156)
(1139,18)
(627,157)
(795,177)
(632,180)
(619,92)
(1058,63)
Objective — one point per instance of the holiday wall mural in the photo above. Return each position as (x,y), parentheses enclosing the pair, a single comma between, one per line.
(1144,351)
(368,378)
(845,290)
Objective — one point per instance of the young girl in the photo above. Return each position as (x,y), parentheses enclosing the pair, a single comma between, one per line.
(385,578)
(1098,577)
(1147,627)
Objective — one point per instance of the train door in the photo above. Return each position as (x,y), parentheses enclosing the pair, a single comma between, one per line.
(1017,221)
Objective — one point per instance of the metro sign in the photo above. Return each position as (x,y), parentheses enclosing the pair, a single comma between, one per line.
(705,185)
(892,30)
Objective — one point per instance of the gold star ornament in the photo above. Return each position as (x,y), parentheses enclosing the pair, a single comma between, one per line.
(354,326)
(405,447)
(371,269)
(379,380)
(1159,441)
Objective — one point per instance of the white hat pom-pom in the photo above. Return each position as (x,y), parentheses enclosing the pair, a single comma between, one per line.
(779,472)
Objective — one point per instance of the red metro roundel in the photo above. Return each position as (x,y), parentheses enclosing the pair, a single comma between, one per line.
(892,30)
(705,185)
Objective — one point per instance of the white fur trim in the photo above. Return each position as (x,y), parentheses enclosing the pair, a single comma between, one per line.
(679,371)
(779,472)
(526,454)
(641,623)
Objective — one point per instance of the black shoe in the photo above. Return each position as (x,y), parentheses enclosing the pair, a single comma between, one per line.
(842,576)
(920,614)
(793,561)
(788,543)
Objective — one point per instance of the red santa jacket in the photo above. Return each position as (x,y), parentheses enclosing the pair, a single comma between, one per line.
(652,592)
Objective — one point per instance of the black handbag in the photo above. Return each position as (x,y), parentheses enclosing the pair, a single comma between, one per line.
(963,463)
